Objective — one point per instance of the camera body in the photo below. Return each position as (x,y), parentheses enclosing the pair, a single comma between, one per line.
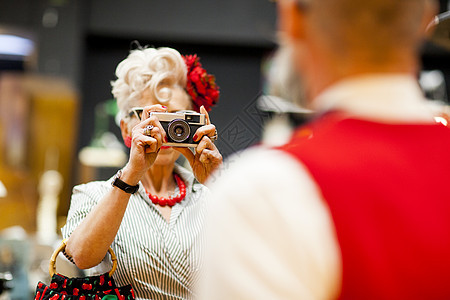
(180,127)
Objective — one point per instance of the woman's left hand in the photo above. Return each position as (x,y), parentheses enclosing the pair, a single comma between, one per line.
(206,157)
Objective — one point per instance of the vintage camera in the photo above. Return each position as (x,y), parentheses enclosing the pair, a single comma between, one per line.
(180,127)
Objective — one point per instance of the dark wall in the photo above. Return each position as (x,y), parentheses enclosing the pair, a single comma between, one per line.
(234,22)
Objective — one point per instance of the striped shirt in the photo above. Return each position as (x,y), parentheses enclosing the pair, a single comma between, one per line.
(160,259)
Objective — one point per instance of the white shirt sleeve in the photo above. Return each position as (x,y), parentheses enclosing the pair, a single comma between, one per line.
(270,234)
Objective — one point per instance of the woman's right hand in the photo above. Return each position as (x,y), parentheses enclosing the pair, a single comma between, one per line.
(145,146)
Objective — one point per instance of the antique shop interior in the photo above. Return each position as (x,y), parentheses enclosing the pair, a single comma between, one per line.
(58,118)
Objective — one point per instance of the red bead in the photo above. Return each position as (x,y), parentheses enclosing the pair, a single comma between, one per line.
(154,198)
(162,201)
(172,200)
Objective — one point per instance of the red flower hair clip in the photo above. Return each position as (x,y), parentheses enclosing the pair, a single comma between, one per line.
(201,86)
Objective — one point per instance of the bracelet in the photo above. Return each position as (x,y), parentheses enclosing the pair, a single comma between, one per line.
(70,258)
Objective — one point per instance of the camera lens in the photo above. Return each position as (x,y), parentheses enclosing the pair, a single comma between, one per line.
(178,130)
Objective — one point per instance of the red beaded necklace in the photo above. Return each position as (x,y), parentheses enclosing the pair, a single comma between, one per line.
(171,200)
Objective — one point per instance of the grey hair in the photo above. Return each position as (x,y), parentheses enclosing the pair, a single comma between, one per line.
(159,70)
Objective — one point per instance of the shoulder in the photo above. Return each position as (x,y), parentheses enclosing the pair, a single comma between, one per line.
(90,192)
(265,199)
(92,187)
(260,166)
(263,177)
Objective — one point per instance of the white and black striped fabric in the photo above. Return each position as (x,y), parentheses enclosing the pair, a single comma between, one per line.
(160,260)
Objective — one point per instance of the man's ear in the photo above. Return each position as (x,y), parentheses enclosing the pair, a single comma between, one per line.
(291,19)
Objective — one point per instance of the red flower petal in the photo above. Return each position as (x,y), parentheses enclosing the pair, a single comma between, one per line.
(201,86)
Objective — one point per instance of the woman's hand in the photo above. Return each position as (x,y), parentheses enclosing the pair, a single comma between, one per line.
(147,138)
(206,157)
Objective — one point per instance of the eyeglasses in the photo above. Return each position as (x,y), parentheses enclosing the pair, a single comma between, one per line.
(136,111)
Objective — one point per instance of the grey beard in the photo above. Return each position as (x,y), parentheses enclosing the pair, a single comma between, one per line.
(284,80)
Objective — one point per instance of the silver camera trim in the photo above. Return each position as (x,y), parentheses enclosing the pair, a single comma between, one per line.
(169,117)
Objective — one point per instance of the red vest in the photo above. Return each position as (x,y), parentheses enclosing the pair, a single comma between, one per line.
(388,191)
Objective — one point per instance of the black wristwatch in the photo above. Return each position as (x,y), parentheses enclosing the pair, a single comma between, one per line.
(131,189)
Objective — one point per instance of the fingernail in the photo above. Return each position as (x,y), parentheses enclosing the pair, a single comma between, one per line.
(163,106)
(195,137)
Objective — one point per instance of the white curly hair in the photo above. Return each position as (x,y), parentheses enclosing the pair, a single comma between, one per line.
(159,70)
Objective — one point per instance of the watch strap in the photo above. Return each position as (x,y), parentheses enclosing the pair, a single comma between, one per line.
(117,182)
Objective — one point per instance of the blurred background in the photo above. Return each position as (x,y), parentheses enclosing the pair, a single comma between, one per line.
(57,115)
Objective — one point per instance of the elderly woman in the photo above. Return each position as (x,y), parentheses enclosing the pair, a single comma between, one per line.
(151,213)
